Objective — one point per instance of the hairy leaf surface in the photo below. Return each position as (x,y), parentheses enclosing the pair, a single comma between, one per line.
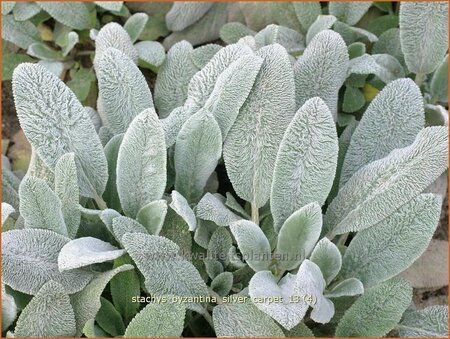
(306,161)
(184,14)
(429,322)
(212,208)
(33,253)
(350,13)
(326,255)
(73,14)
(252,143)
(141,163)
(381,187)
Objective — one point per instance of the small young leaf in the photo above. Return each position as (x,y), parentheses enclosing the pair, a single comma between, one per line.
(423,35)
(152,54)
(222,283)
(157,320)
(152,216)
(310,283)
(40,206)
(306,161)
(239,320)
(346,288)
(86,303)
(353,100)
(290,39)
(374,188)
(86,251)
(123,90)
(135,25)
(212,208)
(109,319)
(165,272)
(180,205)
(61,126)
(203,54)
(141,163)
(219,246)
(429,322)
(197,151)
(253,244)
(388,248)
(110,195)
(66,188)
(49,314)
(326,255)
(348,12)
(33,253)
(298,235)
(324,64)
(42,51)
(263,286)
(376,312)
(252,142)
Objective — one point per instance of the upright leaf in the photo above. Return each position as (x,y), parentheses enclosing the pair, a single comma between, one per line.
(49,314)
(66,188)
(252,143)
(40,207)
(135,25)
(141,163)
(212,208)
(21,34)
(253,244)
(387,124)
(33,253)
(298,236)
(180,205)
(377,311)
(152,216)
(326,255)
(439,82)
(321,70)
(375,188)
(123,90)
(423,35)
(197,151)
(173,78)
(322,23)
(56,123)
(306,13)
(389,247)
(184,14)
(110,195)
(157,320)
(113,35)
(306,161)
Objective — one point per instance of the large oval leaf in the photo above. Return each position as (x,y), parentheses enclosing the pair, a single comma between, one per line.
(33,253)
(184,14)
(388,248)
(252,143)
(49,314)
(141,163)
(306,161)
(377,311)
(321,70)
(55,123)
(387,124)
(347,12)
(197,151)
(123,90)
(165,271)
(382,186)
(73,14)
(423,34)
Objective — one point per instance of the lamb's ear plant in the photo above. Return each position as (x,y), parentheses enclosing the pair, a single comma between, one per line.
(229,202)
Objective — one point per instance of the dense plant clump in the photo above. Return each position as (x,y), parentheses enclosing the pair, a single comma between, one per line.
(272,186)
